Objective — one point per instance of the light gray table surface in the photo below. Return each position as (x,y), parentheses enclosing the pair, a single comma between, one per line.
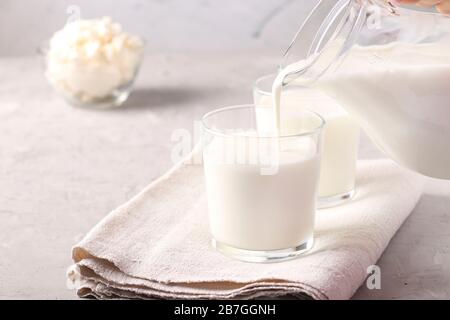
(62,169)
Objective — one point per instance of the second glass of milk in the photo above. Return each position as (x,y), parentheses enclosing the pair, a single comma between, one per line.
(340,137)
(261,187)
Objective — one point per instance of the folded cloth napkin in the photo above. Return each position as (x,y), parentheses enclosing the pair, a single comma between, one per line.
(157,245)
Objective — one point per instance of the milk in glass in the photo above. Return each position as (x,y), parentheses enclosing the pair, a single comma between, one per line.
(340,135)
(255,211)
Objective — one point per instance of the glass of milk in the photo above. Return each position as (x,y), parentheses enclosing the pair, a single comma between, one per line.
(340,136)
(261,186)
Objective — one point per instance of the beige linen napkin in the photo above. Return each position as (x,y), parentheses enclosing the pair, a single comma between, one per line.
(157,245)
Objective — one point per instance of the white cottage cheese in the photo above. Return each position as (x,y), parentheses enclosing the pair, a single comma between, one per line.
(88,59)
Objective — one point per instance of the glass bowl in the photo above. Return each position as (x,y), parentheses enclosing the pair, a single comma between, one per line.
(89,84)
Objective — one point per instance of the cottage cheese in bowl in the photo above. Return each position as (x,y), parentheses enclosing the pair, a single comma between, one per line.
(93,62)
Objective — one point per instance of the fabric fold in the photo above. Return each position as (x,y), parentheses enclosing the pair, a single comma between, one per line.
(157,245)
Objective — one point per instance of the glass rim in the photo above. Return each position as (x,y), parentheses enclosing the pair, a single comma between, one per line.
(257,87)
(223,133)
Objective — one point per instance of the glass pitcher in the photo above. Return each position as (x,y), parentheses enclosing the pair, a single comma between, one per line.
(387,66)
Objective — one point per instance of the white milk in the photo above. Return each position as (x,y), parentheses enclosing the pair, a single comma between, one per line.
(252,211)
(400,95)
(277,88)
(340,135)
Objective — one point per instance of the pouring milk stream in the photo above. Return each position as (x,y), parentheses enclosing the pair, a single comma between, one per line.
(398,91)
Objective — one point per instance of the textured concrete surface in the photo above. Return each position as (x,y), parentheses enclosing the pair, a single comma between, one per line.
(166,24)
(63,168)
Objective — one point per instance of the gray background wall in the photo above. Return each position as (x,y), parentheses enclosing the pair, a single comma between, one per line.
(166,24)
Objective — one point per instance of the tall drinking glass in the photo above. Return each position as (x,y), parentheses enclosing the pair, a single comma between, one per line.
(261,186)
(340,137)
